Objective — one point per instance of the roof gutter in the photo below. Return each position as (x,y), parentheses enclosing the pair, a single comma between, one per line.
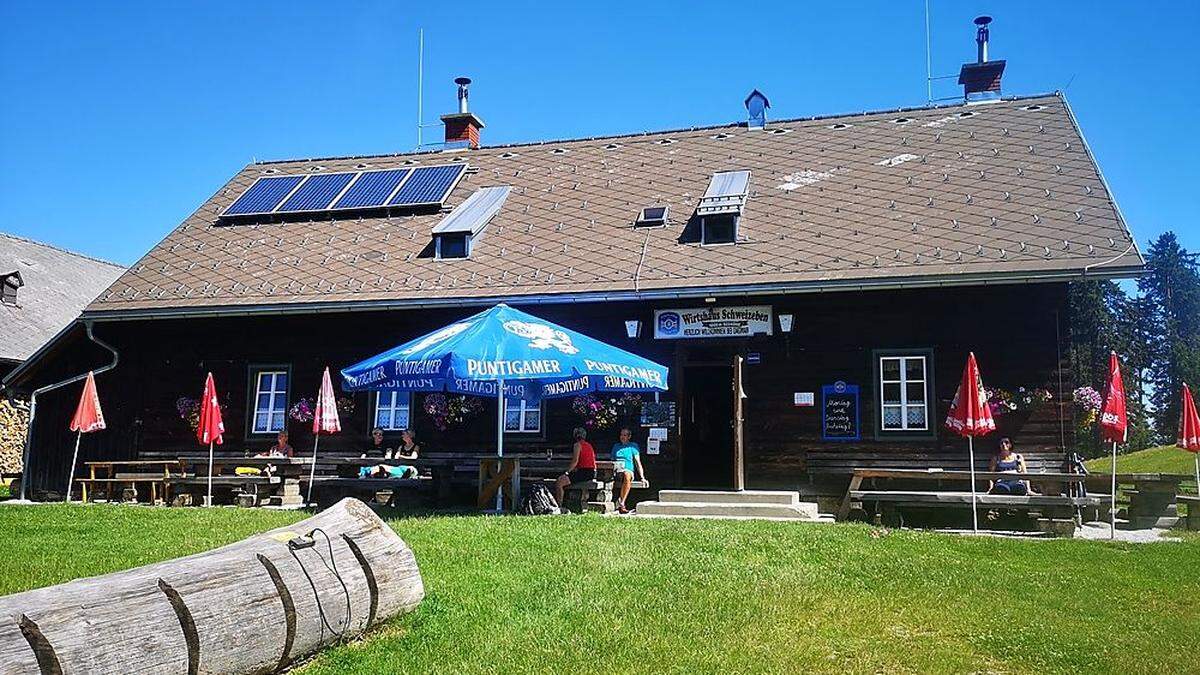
(891,283)
(50,387)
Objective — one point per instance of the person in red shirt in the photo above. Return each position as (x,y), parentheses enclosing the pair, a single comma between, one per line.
(582,467)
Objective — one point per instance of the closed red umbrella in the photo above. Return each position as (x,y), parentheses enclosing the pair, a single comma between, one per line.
(211,428)
(1114,427)
(1189,429)
(325,421)
(970,416)
(88,417)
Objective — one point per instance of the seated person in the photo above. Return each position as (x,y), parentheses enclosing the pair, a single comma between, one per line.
(408,450)
(280,449)
(628,460)
(377,446)
(1006,460)
(582,467)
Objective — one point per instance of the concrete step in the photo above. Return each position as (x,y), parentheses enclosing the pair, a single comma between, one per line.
(730,496)
(798,511)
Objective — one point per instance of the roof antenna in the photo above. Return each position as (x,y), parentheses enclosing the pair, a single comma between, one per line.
(420,81)
(928,60)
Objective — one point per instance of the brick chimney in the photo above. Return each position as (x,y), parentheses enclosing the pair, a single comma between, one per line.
(981,80)
(462,127)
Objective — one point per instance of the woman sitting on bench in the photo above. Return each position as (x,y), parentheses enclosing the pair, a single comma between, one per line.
(582,467)
(627,457)
(1006,460)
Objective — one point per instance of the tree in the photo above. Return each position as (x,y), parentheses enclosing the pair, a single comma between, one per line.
(1171,288)
(1105,319)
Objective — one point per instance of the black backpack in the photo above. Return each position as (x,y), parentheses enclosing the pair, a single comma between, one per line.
(539,501)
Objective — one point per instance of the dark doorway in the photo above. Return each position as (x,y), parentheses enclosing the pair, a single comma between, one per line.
(708,427)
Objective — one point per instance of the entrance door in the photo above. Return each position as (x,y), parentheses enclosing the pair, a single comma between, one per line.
(708,427)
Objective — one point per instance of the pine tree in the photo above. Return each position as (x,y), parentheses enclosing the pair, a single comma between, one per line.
(1172,292)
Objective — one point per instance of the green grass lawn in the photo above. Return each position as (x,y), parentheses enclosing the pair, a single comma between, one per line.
(592,594)
(1163,459)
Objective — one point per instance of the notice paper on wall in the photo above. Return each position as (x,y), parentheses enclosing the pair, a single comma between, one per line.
(652,446)
(804,399)
(658,434)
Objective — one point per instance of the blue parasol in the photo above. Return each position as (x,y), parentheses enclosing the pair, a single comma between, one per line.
(505,350)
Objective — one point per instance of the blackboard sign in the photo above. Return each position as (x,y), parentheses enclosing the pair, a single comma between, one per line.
(658,414)
(839,412)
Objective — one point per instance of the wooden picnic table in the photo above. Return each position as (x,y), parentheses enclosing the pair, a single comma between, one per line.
(1049,482)
(116,473)
(1152,501)
(280,489)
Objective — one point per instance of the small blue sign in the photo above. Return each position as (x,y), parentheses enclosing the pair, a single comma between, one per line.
(754,358)
(669,323)
(840,412)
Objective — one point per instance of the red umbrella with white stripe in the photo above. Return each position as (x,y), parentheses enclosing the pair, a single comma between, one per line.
(88,418)
(971,416)
(1189,429)
(325,421)
(211,429)
(1114,427)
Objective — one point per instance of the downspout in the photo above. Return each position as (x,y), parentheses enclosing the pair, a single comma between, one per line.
(50,387)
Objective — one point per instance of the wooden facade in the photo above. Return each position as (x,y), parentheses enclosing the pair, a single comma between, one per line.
(1018,333)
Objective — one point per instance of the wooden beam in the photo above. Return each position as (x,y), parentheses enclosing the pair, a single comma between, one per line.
(739,475)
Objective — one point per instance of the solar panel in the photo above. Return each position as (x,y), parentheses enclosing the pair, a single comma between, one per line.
(371,189)
(317,192)
(428,185)
(264,195)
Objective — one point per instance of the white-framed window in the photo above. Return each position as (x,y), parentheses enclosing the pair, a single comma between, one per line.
(522,417)
(270,401)
(903,393)
(392,410)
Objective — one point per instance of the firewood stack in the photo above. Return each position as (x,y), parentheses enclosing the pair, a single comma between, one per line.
(14,420)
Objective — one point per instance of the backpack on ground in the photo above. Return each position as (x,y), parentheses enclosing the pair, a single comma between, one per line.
(539,501)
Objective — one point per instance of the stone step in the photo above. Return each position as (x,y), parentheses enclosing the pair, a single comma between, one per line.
(730,496)
(798,511)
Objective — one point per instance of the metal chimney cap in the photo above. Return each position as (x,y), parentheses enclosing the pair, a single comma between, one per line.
(464,81)
(983,20)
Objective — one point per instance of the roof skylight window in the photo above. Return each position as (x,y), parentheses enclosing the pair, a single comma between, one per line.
(458,232)
(726,193)
(652,216)
(720,208)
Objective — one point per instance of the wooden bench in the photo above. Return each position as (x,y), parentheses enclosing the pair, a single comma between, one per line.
(835,463)
(1193,510)
(247,490)
(328,489)
(1054,504)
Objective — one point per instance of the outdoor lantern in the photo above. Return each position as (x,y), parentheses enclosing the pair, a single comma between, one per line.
(633,328)
(785,323)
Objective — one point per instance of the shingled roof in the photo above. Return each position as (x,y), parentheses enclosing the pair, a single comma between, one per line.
(1000,192)
(57,285)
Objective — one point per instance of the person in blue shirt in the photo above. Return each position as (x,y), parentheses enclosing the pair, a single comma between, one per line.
(628,459)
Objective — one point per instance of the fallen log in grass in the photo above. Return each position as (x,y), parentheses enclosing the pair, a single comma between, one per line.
(250,607)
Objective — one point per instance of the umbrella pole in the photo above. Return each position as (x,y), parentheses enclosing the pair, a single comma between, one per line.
(500,439)
(71,476)
(1112,505)
(208,499)
(974,509)
(312,471)
(1197,456)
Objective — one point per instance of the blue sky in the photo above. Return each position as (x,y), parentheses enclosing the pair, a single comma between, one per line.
(119,119)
